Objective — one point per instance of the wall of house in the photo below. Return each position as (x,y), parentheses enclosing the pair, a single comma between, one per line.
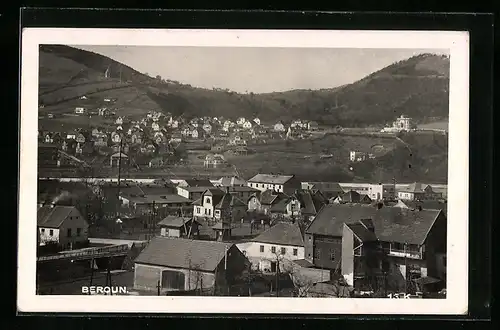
(435,247)
(261,260)
(327,251)
(74,222)
(254,204)
(46,237)
(183,192)
(293,208)
(146,277)
(291,185)
(309,247)
(347,258)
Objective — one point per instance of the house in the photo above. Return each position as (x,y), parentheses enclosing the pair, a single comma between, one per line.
(164,203)
(136,138)
(279,127)
(247,125)
(203,207)
(176,137)
(327,189)
(71,135)
(256,121)
(357,156)
(240,121)
(197,133)
(352,197)
(281,243)
(325,245)
(232,181)
(80,138)
(102,112)
(101,140)
(119,121)
(218,205)
(116,137)
(62,225)
(312,126)
(207,128)
(214,161)
(197,183)
(395,251)
(192,193)
(418,191)
(155,126)
(48,138)
(173,226)
(280,183)
(263,202)
(117,158)
(242,192)
(80,110)
(177,264)
(304,204)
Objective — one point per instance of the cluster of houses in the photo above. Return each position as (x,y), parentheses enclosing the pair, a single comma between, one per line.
(151,141)
(371,236)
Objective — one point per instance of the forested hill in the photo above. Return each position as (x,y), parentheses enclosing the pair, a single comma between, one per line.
(417,87)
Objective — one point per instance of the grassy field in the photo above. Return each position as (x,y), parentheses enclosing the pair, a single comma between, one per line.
(436,125)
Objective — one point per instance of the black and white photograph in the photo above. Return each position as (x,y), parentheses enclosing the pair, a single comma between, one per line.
(275,170)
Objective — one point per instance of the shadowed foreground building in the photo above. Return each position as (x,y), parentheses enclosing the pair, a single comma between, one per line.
(178,265)
(367,243)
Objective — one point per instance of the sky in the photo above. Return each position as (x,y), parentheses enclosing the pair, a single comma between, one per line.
(257,70)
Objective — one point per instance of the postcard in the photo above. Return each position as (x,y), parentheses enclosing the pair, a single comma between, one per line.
(243,171)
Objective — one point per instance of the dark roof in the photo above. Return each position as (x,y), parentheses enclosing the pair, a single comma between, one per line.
(197,189)
(427,280)
(53,217)
(173,221)
(428,205)
(229,200)
(283,233)
(270,197)
(391,223)
(351,197)
(310,203)
(361,232)
(304,263)
(327,187)
(199,183)
(184,253)
(416,187)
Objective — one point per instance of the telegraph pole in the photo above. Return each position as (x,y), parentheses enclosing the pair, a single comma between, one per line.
(119,174)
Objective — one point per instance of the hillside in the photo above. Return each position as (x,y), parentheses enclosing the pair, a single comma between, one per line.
(417,87)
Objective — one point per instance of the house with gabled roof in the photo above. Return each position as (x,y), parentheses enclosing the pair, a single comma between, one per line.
(280,183)
(284,240)
(327,189)
(230,208)
(204,207)
(62,225)
(170,264)
(264,201)
(175,226)
(415,237)
(418,191)
(351,196)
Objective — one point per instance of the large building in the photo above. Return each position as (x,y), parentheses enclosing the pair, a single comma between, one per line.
(280,183)
(176,264)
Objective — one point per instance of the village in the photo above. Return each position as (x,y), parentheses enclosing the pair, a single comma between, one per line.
(269,235)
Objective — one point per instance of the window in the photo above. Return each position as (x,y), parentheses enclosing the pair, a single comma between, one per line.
(198,210)
(207,200)
(51,232)
(261,248)
(332,256)
(273,249)
(295,252)
(283,250)
(69,232)
(78,231)
(43,230)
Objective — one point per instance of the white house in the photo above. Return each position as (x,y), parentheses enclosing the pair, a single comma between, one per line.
(418,191)
(216,204)
(256,121)
(207,128)
(63,225)
(287,184)
(247,125)
(282,243)
(155,126)
(205,205)
(241,121)
(79,110)
(279,127)
(119,121)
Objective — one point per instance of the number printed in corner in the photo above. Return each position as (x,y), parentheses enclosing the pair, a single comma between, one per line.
(398,296)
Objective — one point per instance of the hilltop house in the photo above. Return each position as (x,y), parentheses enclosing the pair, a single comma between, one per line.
(176,264)
(80,110)
(207,127)
(62,225)
(256,121)
(214,161)
(280,183)
(418,191)
(312,126)
(119,121)
(240,121)
(247,125)
(415,238)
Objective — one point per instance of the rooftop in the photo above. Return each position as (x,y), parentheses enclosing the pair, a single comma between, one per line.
(271,178)
(283,233)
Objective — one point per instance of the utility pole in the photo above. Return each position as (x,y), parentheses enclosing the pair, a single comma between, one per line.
(119,174)
(406,269)
(277,275)
(158,287)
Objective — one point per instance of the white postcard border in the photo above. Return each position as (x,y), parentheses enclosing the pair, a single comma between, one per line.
(457,282)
